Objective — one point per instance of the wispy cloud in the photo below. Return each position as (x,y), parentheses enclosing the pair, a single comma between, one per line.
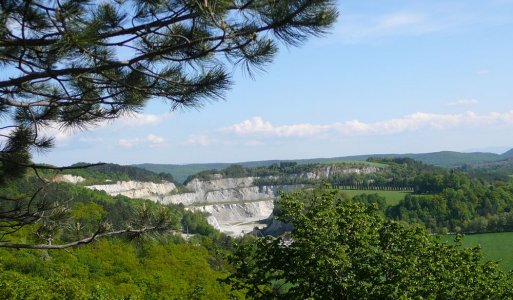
(151,140)
(483,72)
(199,139)
(400,20)
(91,140)
(357,28)
(139,119)
(63,135)
(413,122)
(418,18)
(463,102)
(60,135)
(258,126)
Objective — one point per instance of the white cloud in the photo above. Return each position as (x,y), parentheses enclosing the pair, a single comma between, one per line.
(199,139)
(257,125)
(408,123)
(139,119)
(400,21)
(155,139)
(62,135)
(91,140)
(463,102)
(150,140)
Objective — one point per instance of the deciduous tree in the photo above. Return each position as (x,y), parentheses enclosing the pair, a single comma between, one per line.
(340,249)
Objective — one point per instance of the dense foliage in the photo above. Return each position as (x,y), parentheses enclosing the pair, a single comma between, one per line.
(238,171)
(494,171)
(114,269)
(149,266)
(75,212)
(472,208)
(340,249)
(282,173)
(110,173)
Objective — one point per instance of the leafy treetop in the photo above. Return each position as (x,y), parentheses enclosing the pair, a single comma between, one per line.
(341,249)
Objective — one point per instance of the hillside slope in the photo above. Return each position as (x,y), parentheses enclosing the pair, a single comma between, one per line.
(442,159)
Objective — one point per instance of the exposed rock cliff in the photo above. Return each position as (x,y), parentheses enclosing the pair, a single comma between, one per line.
(137,189)
(236,205)
(226,190)
(68,178)
(238,218)
(331,170)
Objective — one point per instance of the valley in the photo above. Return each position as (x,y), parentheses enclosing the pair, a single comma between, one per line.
(236,205)
(212,211)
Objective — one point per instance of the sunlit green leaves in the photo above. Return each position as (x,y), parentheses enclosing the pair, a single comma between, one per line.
(344,250)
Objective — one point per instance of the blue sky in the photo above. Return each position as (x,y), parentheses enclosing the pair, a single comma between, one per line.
(392,77)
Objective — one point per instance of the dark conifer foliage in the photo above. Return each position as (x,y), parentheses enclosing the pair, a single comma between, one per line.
(74,64)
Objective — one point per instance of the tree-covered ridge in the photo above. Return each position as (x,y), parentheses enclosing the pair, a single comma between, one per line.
(447,200)
(501,170)
(280,173)
(238,171)
(382,173)
(475,207)
(442,200)
(447,159)
(340,248)
(376,173)
(111,173)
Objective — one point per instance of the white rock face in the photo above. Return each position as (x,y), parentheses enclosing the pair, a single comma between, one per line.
(327,171)
(197,185)
(226,190)
(238,218)
(137,189)
(218,190)
(235,205)
(68,178)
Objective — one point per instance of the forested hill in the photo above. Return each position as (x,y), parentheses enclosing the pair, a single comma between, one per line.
(442,159)
(111,173)
(508,154)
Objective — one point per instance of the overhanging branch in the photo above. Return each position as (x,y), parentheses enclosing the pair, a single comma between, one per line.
(84,241)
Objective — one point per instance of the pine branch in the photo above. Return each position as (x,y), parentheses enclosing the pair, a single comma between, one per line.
(84,241)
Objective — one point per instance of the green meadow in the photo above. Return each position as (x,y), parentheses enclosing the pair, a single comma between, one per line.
(495,246)
(392,197)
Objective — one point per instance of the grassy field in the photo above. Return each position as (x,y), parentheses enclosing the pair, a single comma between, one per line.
(393,197)
(495,246)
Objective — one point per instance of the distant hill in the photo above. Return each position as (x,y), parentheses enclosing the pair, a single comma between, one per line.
(112,173)
(181,172)
(507,154)
(446,159)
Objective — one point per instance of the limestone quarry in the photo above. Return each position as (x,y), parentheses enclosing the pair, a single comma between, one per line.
(235,205)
